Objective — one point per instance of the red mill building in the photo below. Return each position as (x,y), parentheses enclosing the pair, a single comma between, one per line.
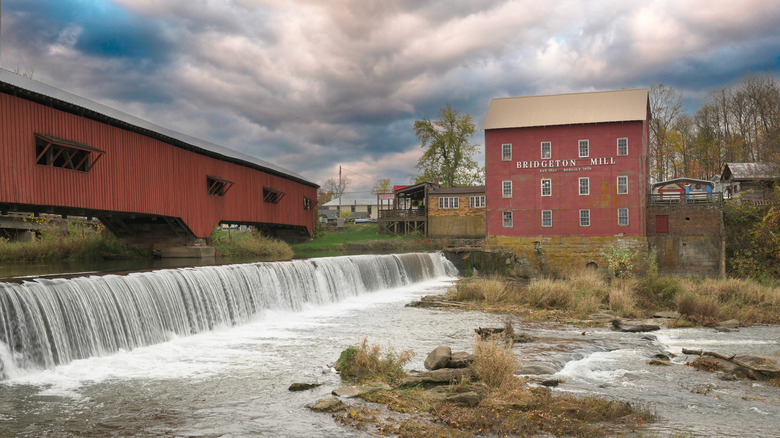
(567,175)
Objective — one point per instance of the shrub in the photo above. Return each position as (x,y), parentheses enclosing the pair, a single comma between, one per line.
(251,244)
(366,362)
(657,292)
(494,363)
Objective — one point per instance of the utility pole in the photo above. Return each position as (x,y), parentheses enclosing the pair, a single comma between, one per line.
(341,191)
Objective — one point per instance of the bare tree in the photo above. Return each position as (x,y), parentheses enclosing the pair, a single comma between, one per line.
(665,106)
(336,186)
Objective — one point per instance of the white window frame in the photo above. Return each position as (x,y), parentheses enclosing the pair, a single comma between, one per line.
(620,210)
(546,151)
(449,202)
(618,146)
(549,218)
(548,187)
(580,144)
(477,201)
(624,185)
(508,220)
(506,188)
(586,179)
(504,149)
(585,218)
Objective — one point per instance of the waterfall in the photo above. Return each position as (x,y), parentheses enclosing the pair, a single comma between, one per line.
(47,322)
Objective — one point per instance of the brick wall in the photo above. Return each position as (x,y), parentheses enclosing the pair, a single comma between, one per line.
(686,220)
(693,244)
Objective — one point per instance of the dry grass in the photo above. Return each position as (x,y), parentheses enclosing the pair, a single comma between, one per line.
(743,299)
(580,292)
(369,362)
(622,298)
(490,290)
(494,363)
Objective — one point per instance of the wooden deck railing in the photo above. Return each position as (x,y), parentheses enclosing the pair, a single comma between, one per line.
(409,214)
(684,199)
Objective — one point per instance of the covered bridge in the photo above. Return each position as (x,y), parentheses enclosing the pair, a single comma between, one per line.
(67,155)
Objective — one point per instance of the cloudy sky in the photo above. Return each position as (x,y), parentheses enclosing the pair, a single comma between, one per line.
(311,85)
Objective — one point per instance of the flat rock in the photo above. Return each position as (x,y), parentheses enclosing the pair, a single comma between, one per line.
(357,391)
(438,393)
(303,386)
(536,369)
(668,314)
(328,404)
(443,376)
(521,338)
(460,359)
(730,324)
(659,362)
(601,317)
(469,398)
(438,358)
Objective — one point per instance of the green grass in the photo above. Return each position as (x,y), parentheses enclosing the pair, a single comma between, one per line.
(55,246)
(356,237)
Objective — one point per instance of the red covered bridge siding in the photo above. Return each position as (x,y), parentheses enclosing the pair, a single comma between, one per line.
(567,176)
(140,173)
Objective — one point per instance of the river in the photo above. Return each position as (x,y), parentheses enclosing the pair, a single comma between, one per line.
(231,380)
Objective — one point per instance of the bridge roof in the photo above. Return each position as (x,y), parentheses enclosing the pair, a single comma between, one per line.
(39,92)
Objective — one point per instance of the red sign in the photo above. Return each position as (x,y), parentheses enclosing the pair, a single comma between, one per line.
(386,196)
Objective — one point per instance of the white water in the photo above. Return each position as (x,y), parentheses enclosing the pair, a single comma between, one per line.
(232,380)
(45,323)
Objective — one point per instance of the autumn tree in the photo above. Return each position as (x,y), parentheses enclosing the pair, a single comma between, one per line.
(448,153)
(382,186)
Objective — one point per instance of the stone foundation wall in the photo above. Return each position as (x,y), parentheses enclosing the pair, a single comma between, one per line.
(540,255)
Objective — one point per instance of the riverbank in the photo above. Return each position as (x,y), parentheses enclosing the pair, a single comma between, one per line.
(580,294)
(56,247)
(364,238)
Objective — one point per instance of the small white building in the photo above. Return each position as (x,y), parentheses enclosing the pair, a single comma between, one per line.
(360,207)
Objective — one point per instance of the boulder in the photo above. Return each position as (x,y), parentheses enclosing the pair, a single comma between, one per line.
(438,358)
(550,383)
(328,404)
(443,376)
(461,359)
(303,386)
(659,362)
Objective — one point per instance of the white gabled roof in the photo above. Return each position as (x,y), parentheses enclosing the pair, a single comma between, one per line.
(567,109)
(78,104)
(347,201)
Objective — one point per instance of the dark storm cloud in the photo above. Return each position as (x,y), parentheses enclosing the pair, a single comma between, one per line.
(310,85)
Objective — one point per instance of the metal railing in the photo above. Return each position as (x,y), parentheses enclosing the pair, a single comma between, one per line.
(684,199)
